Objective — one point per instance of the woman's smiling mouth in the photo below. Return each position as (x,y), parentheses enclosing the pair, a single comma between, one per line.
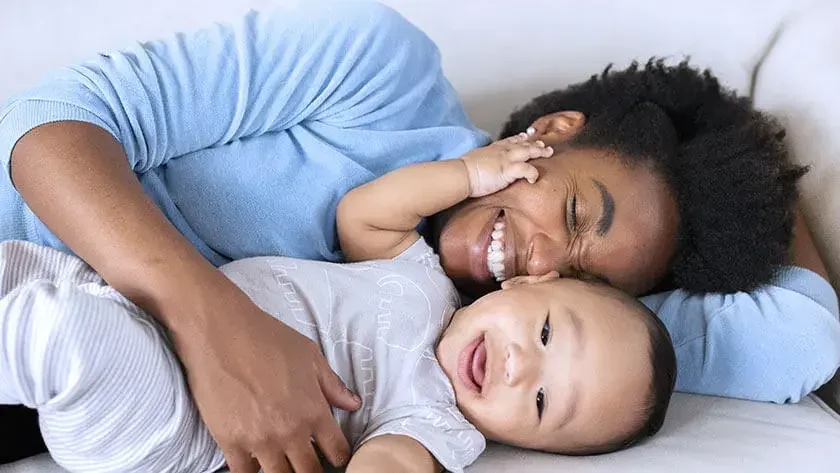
(499,252)
(496,250)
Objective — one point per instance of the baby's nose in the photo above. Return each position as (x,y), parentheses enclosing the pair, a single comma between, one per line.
(519,366)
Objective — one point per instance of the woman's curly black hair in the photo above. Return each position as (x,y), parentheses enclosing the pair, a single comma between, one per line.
(725,162)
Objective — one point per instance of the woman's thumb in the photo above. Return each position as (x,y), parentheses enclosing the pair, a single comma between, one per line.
(335,391)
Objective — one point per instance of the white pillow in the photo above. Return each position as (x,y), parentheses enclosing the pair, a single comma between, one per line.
(800,82)
(501,53)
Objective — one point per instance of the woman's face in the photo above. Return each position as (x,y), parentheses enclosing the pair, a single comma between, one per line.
(587,216)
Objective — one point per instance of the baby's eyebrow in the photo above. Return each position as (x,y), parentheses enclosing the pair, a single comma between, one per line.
(574,392)
(571,408)
(580,338)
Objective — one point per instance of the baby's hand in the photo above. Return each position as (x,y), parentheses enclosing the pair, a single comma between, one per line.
(494,167)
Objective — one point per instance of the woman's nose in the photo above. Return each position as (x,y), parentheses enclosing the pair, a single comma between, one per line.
(519,365)
(545,256)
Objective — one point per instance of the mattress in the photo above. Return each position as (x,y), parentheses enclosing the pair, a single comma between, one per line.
(701,434)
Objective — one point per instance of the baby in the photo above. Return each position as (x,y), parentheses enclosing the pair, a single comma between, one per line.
(545,363)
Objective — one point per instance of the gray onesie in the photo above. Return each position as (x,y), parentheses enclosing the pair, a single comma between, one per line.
(377,323)
(110,392)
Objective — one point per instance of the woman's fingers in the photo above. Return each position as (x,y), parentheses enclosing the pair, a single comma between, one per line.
(327,434)
(238,461)
(303,460)
(331,443)
(335,391)
(276,462)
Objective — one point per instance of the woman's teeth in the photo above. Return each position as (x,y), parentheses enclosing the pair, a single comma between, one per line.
(496,251)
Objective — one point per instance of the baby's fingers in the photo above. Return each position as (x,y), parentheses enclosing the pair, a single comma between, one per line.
(515,139)
(521,170)
(529,150)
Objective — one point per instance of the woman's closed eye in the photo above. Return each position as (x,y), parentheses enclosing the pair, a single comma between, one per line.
(571,214)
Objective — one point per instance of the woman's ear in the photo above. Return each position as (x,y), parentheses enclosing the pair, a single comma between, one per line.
(517,280)
(557,127)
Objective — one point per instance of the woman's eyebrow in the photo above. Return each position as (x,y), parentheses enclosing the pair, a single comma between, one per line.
(608,204)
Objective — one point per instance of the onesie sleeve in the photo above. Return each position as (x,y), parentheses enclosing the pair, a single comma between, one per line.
(441,429)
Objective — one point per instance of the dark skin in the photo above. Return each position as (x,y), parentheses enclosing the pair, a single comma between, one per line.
(588,216)
(239,361)
(75,177)
(803,252)
(623,231)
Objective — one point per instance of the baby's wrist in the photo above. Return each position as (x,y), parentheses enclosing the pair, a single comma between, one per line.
(470,173)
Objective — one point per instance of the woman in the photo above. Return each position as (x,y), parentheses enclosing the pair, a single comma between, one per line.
(157,164)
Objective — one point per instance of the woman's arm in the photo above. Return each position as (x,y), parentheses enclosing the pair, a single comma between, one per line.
(393,453)
(258,383)
(777,343)
(347,65)
(803,252)
(262,388)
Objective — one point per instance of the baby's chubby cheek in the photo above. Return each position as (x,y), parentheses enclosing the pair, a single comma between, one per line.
(448,351)
(447,355)
(495,420)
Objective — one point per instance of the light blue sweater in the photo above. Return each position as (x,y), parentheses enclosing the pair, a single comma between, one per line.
(248,134)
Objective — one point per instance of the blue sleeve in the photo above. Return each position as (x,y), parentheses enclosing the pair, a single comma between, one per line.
(776,344)
(346,64)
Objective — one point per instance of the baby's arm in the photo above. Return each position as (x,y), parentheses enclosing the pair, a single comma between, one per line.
(390,453)
(378,220)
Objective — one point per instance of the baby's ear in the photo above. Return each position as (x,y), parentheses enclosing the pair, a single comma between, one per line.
(517,280)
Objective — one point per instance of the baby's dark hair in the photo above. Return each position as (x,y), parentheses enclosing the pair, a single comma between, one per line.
(663,361)
(725,163)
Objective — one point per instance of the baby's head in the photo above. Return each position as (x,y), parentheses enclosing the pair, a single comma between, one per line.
(560,365)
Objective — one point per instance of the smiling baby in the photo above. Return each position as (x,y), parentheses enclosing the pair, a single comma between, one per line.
(545,363)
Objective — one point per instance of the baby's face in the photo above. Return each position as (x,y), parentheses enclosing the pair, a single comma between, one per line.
(553,365)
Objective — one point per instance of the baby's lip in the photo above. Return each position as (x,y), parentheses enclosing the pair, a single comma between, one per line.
(479,362)
(468,364)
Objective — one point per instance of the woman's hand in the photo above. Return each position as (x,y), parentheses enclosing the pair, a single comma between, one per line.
(263,389)
(498,165)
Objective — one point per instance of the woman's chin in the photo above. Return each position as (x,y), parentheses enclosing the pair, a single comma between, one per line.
(473,288)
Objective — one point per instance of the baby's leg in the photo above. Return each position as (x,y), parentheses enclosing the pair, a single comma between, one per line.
(110,393)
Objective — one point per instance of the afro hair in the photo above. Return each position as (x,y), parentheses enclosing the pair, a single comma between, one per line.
(725,162)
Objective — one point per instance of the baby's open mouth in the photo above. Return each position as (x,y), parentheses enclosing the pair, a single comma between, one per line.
(479,362)
(471,364)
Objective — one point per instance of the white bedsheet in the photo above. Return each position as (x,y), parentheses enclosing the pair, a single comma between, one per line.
(701,434)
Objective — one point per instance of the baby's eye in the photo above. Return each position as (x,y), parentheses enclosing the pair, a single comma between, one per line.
(540,402)
(546,331)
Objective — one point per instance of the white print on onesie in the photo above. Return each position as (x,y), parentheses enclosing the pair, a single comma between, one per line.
(377,324)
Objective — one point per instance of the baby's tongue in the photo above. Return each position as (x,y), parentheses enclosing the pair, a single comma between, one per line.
(478,362)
